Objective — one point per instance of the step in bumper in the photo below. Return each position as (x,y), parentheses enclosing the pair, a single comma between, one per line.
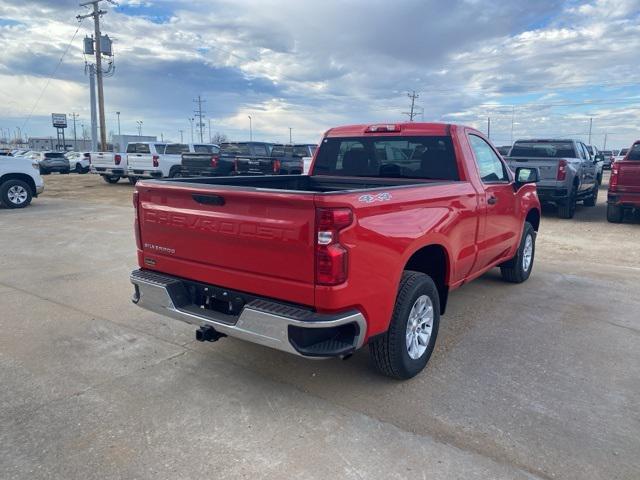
(289,328)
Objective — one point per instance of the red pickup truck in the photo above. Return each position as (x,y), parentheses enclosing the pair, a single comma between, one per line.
(624,185)
(365,249)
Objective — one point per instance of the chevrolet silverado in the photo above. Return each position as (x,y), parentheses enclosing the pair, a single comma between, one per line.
(624,185)
(364,250)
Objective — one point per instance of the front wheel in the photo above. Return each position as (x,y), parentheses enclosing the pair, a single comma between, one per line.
(78,168)
(133,180)
(404,350)
(15,194)
(518,269)
(111,178)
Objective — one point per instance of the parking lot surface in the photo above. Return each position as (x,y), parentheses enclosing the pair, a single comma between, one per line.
(537,380)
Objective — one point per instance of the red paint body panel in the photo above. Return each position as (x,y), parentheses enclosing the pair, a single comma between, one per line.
(626,187)
(262,242)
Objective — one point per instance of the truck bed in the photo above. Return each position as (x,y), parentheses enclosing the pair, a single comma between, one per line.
(300,183)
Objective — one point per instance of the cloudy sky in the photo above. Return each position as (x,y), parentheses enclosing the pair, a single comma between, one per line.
(541,67)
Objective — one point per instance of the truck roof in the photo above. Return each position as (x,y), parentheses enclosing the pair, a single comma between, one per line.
(405,128)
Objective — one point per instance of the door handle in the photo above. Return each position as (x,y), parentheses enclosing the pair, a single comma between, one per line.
(492,200)
(208,199)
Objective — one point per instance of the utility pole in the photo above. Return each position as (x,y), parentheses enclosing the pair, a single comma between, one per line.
(413,95)
(604,147)
(139,123)
(290,137)
(118,114)
(513,117)
(199,114)
(191,119)
(210,141)
(181,136)
(590,127)
(250,129)
(75,137)
(489,128)
(96,14)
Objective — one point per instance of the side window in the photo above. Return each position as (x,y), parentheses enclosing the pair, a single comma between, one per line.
(489,164)
(131,148)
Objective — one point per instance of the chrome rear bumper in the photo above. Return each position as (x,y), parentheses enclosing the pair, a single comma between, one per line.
(261,321)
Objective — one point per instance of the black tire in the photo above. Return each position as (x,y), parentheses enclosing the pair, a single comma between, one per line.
(568,208)
(389,351)
(514,270)
(592,199)
(65,172)
(175,172)
(132,180)
(111,178)
(15,194)
(44,171)
(615,213)
(78,168)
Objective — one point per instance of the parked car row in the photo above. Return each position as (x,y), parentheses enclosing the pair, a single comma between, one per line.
(170,160)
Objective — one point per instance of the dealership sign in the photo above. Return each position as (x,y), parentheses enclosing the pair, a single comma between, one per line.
(59,120)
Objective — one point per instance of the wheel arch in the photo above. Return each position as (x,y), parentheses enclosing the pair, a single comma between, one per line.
(433,260)
(20,176)
(533,217)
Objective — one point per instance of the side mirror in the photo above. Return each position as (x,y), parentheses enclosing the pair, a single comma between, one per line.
(526,175)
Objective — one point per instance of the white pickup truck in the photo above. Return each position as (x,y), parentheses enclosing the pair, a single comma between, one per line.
(157,160)
(110,166)
(20,181)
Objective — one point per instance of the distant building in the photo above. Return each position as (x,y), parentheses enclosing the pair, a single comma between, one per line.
(40,144)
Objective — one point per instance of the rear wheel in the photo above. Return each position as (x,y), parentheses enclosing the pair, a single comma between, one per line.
(78,168)
(111,178)
(518,269)
(133,180)
(568,208)
(593,198)
(615,213)
(15,194)
(404,350)
(175,172)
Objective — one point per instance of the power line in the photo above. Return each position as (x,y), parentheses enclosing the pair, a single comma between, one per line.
(55,70)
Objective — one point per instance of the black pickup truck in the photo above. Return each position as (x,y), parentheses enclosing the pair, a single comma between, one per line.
(251,158)
(204,162)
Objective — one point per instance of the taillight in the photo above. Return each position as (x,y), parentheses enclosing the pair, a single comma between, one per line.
(331,256)
(276,166)
(117,159)
(136,220)
(214,161)
(156,158)
(613,180)
(562,170)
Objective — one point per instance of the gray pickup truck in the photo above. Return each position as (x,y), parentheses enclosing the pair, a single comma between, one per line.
(568,173)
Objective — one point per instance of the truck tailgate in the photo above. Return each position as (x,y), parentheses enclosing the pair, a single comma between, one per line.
(628,176)
(142,161)
(547,167)
(254,165)
(255,241)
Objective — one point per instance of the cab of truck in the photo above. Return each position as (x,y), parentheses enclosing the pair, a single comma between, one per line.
(624,185)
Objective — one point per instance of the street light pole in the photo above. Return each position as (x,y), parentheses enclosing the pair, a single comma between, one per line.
(590,126)
(139,122)
(250,129)
(191,119)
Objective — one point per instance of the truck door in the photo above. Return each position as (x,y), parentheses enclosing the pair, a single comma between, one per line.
(500,225)
(589,169)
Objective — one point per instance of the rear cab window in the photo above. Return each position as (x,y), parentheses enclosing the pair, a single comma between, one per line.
(54,155)
(205,149)
(544,149)
(138,148)
(634,154)
(260,150)
(235,149)
(160,147)
(176,148)
(424,157)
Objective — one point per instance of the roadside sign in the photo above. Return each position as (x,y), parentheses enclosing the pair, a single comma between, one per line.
(59,120)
